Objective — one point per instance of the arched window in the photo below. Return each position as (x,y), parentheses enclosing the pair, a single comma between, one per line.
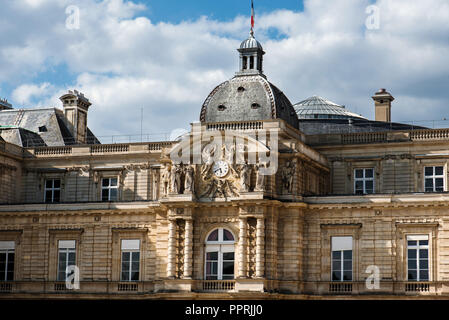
(219,258)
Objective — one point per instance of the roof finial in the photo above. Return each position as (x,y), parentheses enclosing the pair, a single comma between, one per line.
(252,19)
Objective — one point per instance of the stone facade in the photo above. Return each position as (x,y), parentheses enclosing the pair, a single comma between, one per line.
(342,214)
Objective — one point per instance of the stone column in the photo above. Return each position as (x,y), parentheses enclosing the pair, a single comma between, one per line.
(171,249)
(243,246)
(188,249)
(260,248)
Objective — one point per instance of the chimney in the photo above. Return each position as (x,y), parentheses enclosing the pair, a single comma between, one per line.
(75,112)
(382,102)
(5,105)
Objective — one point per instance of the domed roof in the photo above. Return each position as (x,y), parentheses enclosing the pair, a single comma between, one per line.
(251,43)
(320,108)
(246,98)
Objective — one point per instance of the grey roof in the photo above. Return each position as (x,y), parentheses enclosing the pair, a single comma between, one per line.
(245,98)
(37,127)
(320,108)
(251,43)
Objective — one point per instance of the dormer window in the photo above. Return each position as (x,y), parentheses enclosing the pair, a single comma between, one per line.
(255,106)
(241,89)
(221,107)
(43,129)
(251,62)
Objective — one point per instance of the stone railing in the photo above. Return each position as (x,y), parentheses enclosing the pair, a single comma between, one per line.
(109,148)
(433,134)
(378,137)
(50,151)
(217,285)
(417,287)
(98,149)
(340,287)
(366,137)
(11,148)
(237,126)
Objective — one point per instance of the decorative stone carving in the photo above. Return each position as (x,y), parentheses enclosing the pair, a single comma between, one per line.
(245,177)
(189,182)
(165,180)
(260,178)
(287,174)
(176,179)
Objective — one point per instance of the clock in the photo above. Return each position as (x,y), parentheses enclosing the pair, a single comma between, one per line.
(220,168)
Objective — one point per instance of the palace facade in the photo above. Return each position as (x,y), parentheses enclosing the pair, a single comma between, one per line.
(262,199)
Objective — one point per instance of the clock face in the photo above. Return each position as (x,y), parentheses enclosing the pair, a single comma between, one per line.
(220,168)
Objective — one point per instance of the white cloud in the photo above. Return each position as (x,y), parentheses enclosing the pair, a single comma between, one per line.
(24,93)
(123,61)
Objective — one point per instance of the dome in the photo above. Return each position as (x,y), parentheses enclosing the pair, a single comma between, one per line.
(251,43)
(247,98)
(319,108)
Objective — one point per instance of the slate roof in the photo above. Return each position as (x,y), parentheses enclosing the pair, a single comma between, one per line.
(37,127)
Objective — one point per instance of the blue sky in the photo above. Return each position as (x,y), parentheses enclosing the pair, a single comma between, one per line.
(175,11)
(166,56)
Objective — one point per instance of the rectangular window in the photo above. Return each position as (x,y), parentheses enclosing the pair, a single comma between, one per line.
(212,265)
(52,190)
(7,260)
(130,260)
(418,258)
(66,257)
(364,181)
(434,179)
(109,189)
(341,258)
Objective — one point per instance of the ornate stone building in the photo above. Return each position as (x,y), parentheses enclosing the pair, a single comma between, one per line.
(262,199)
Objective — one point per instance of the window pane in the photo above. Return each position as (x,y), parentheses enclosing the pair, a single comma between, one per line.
(228,267)
(211,277)
(411,264)
(114,182)
(228,277)
(336,276)
(359,173)
(359,185)
(347,265)
(105,195)
(429,183)
(135,266)
(347,254)
(56,195)
(438,171)
(72,258)
(412,275)
(113,194)
(57,183)
(423,275)
(212,256)
(423,254)
(228,256)
(125,266)
(347,275)
(412,253)
(135,276)
(439,182)
(336,265)
(227,236)
(125,276)
(423,264)
(48,184)
(369,173)
(369,185)
(412,242)
(105,182)
(125,256)
(423,242)
(336,255)
(428,171)
(48,196)
(10,276)
(213,236)
(136,256)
